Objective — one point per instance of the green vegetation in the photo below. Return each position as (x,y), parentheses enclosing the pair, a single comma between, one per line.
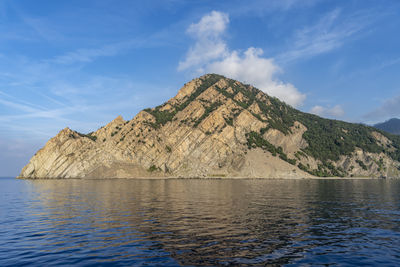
(255,140)
(229,121)
(168,148)
(381,165)
(92,137)
(89,135)
(162,117)
(291,161)
(207,112)
(281,117)
(153,168)
(209,81)
(362,165)
(217,175)
(279,112)
(300,154)
(303,167)
(327,140)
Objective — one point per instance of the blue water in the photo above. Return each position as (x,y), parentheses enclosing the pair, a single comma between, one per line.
(199,222)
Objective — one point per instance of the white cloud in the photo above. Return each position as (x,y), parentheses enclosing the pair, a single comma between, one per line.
(211,54)
(336,111)
(317,110)
(209,44)
(252,68)
(212,24)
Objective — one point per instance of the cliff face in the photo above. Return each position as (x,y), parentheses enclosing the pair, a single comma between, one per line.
(218,127)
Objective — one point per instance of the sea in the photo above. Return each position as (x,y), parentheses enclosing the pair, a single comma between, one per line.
(200,222)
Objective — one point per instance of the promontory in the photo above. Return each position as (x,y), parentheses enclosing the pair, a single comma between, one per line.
(219,127)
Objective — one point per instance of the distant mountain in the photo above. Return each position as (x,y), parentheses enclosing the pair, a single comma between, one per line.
(219,127)
(390,126)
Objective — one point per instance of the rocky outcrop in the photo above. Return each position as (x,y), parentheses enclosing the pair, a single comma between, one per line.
(213,127)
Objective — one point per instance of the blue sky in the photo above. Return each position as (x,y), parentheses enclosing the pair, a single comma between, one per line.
(82,63)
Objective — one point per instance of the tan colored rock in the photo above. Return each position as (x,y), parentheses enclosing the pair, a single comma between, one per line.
(211,95)
(166,107)
(291,142)
(245,123)
(261,164)
(240,97)
(204,138)
(255,108)
(383,140)
(192,112)
(187,89)
(222,83)
(230,90)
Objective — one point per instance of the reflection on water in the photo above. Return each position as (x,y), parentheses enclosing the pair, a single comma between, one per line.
(201,222)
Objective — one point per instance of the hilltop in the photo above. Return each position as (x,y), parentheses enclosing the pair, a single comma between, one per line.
(219,127)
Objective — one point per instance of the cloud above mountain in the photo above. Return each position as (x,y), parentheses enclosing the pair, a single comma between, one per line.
(209,44)
(336,111)
(210,53)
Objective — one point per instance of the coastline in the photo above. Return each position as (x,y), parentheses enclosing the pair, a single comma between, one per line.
(210,178)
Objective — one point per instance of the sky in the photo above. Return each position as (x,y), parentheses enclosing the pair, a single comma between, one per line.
(80,64)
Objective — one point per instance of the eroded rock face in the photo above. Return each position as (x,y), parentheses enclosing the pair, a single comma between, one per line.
(202,132)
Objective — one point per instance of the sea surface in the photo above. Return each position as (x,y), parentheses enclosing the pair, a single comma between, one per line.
(199,222)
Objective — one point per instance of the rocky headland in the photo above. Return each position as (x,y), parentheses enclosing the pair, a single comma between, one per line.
(219,127)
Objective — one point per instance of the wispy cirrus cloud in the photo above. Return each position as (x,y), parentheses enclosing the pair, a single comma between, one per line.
(40,98)
(262,7)
(41,28)
(87,55)
(13,102)
(331,31)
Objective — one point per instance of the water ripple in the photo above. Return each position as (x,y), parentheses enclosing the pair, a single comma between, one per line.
(199,222)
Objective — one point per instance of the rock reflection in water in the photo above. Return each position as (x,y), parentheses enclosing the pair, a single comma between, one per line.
(217,222)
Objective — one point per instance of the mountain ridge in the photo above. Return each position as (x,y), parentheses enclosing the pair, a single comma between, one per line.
(219,127)
(391,126)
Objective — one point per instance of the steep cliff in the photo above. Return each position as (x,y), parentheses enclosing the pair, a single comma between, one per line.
(219,127)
